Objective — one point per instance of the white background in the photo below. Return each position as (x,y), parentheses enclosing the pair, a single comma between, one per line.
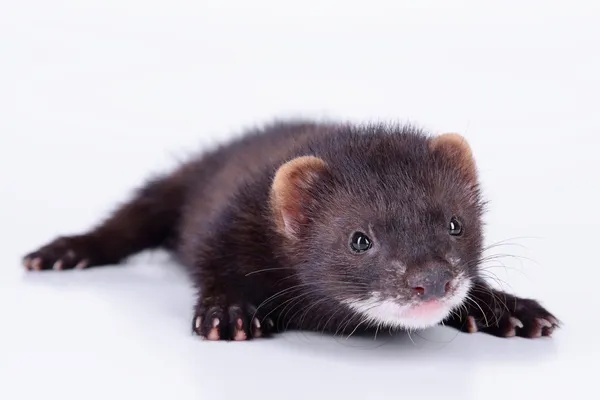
(97,95)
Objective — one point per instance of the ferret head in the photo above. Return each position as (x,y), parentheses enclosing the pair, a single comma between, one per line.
(386,223)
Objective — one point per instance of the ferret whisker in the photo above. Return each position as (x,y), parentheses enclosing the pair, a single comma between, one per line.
(333,314)
(344,324)
(346,291)
(495,297)
(499,245)
(490,267)
(512,256)
(319,278)
(469,298)
(268,270)
(488,275)
(300,286)
(504,241)
(289,304)
(410,337)
(281,293)
(498,280)
(307,310)
(365,319)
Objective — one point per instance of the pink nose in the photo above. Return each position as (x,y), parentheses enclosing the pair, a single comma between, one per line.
(430,283)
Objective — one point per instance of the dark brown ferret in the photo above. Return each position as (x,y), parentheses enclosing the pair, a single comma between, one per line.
(331,227)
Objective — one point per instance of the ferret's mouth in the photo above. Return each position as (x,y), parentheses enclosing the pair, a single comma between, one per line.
(390,311)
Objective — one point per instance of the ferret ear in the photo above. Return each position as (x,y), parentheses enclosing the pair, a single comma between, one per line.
(455,147)
(291,194)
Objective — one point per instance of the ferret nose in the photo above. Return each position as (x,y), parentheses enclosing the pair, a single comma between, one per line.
(431,282)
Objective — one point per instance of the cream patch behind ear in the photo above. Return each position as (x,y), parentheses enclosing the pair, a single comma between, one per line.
(455,146)
(290,192)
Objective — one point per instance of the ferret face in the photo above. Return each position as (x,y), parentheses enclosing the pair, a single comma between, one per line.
(407,263)
(393,233)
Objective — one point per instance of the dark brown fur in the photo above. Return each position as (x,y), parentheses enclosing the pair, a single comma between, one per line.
(220,213)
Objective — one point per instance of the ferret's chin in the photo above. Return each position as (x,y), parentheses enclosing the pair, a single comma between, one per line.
(388,312)
(379,310)
(424,315)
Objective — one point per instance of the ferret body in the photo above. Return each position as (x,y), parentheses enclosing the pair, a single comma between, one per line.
(336,228)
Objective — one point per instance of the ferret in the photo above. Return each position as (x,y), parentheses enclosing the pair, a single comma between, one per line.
(317,226)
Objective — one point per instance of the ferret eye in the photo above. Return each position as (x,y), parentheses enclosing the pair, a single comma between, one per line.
(455,227)
(360,242)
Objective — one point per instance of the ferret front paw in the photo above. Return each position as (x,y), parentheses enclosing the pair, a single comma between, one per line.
(506,316)
(62,253)
(233,322)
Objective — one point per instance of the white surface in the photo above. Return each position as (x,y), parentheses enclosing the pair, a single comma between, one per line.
(95,95)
